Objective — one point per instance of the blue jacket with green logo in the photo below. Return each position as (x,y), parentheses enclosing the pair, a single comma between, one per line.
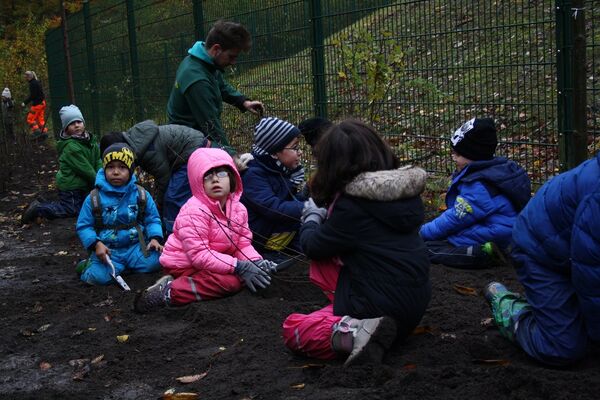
(483,201)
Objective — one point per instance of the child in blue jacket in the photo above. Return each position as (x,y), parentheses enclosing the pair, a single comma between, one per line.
(112,223)
(556,252)
(483,200)
(272,186)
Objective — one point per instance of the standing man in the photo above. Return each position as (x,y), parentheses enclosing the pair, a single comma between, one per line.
(36,116)
(199,89)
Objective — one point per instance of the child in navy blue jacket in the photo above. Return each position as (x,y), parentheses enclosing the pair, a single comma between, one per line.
(483,200)
(272,188)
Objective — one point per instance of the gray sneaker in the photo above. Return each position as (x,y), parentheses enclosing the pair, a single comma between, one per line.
(154,297)
(366,340)
(30,213)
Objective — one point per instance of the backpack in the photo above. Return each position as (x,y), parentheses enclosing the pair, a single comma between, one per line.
(141,215)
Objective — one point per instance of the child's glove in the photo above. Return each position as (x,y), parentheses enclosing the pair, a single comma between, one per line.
(268,266)
(312,213)
(252,275)
(241,161)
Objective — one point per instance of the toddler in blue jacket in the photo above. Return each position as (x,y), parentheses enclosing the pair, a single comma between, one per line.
(484,198)
(112,222)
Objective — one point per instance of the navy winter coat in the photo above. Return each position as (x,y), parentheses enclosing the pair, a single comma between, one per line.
(273,204)
(560,230)
(483,201)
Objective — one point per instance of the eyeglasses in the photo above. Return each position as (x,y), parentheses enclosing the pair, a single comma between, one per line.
(296,148)
(221,173)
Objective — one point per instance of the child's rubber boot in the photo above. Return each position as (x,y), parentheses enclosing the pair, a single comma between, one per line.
(366,340)
(154,297)
(494,289)
(82,265)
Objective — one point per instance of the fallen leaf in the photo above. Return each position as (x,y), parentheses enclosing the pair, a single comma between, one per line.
(487,322)
(310,366)
(43,328)
(467,291)
(171,395)
(222,348)
(77,333)
(122,338)
(37,307)
(409,367)
(191,378)
(448,336)
(92,329)
(98,359)
(79,362)
(27,332)
(45,366)
(81,373)
(61,253)
(419,330)
(501,362)
(298,386)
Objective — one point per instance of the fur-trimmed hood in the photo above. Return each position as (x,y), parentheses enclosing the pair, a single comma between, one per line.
(388,185)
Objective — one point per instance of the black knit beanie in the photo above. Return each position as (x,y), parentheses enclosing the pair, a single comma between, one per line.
(476,139)
(313,128)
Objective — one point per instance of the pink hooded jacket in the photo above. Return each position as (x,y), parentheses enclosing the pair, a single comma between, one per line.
(204,237)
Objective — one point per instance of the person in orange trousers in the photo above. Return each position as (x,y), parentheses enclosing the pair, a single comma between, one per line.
(36,115)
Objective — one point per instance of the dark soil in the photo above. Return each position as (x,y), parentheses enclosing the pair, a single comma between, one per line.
(59,336)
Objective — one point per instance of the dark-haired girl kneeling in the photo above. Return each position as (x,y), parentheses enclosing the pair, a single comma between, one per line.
(367,255)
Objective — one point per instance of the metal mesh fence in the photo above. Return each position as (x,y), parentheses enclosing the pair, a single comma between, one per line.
(414,69)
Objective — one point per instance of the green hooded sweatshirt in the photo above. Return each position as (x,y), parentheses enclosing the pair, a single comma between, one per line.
(197,96)
(79,161)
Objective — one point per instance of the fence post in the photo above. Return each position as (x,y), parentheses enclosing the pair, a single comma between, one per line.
(133,55)
(67,50)
(318,58)
(571,82)
(198,12)
(91,59)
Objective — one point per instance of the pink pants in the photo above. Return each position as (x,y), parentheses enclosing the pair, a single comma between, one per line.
(191,285)
(310,334)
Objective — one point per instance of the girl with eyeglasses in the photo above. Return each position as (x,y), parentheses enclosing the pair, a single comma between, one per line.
(209,255)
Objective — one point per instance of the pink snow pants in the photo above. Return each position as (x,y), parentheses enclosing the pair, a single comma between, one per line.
(191,285)
(310,334)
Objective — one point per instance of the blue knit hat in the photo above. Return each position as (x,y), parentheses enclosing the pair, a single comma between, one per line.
(70,114)
(273,134)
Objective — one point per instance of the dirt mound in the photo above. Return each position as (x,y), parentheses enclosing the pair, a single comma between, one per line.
(60,337)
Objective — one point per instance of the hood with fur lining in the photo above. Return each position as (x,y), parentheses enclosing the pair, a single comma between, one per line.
(388,185)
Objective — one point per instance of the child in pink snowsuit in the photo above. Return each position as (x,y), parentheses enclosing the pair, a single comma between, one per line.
(209,255)
(366,251)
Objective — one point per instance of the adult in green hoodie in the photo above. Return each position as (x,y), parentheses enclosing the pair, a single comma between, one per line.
(199,89)
(79,160)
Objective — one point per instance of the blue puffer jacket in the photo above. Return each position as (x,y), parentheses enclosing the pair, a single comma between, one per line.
(273,204)
(119,206)
(483,201)
(560,230)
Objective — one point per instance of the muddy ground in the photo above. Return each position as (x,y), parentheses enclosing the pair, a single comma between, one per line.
(59,337)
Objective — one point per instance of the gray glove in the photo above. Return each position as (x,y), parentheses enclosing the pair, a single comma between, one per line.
(252,275)
(312,213)
(268,266)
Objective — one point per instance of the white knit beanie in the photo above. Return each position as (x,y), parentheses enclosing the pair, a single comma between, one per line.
(6,93)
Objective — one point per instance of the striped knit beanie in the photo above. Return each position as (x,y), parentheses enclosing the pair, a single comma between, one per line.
(272,135)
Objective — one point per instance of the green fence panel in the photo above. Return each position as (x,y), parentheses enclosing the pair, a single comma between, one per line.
(414,69)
